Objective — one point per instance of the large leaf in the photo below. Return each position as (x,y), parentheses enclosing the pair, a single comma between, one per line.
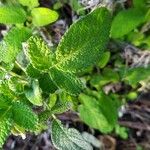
(39,54)
(84,42)
(67,139)
(24,116)
(126,21)
(12,43)
(43,16)
(66,81)
(99,114)
(12,15)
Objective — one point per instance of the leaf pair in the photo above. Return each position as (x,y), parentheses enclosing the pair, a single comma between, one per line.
(80,47)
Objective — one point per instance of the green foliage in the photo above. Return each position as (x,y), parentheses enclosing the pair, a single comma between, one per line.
(12,44)
(43,16)
(66,81)
(93,112)
(66,139)
(5,126)
(34,94)
(39,54)
(24,116)
(126,21)
(29,3)
(38,82)
(12,14)
(77,50)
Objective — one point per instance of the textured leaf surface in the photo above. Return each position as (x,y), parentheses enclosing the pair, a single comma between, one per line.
(24,116)
(5,126)
(126,21)
(12,15)
(34,94)
(98,114)
(66,81)
(39,54)
(29,3)
(83,43)
(43,16)
(12,43)
(67,139)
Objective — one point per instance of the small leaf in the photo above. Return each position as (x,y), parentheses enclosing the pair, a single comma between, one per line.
(67,139)
(12,15)
(12,43)
(24,116)
(34,94)
(43,16)
(126,21)
(39,54)
(100,114)
(66,81)
(29,3)
(104,59)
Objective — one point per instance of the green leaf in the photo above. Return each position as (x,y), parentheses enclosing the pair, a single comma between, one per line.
(66,81)
(104,59)
(29,3)
(16,85)
(32,72)
(12,43)
(5,126)
(6,91)
(24,116)
(34,94)
(83,44)
(43,16)
(5,102)
(140,4)
(60,107)
(39,54)
(12,15)
(46,83)
(67,139)
(126,21)
(135,75)
(100,114)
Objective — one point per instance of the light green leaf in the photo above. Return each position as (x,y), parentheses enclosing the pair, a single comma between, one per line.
(99,114)
(135,75)
(39,54)
(43,16)
(5,126)
(126,21)
(66,81)
(12,43)
(140,4)
(16,85)
(34,94)
(24,116)
(12,15)
(67,139)
(104,58)
(29,3)
(83,44)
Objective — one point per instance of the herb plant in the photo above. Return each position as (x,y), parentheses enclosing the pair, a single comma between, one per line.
(34,75)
